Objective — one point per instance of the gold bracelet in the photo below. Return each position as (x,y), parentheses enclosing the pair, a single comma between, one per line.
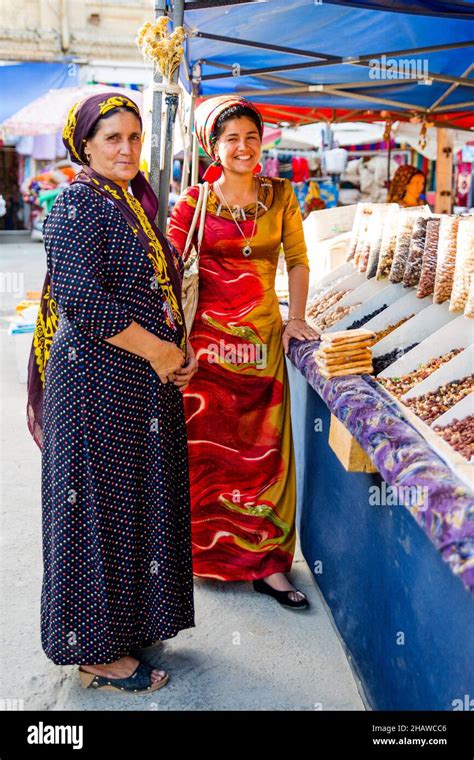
(285,321)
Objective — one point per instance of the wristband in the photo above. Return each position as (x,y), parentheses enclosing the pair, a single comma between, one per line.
(286,321)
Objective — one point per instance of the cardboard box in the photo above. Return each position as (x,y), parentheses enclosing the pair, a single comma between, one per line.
(327,223)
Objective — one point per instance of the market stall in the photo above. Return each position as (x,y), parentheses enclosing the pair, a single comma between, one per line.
(386,452)
(395,566)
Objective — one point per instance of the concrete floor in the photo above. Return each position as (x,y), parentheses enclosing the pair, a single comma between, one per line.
(245,653)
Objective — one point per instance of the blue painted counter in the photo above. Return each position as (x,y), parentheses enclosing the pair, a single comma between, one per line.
(406,618)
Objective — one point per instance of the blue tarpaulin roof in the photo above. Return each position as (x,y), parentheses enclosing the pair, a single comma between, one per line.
(463,9)
(23,82)
(395,38)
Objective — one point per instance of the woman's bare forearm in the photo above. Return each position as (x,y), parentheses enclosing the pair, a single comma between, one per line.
(298,280)
(137,340)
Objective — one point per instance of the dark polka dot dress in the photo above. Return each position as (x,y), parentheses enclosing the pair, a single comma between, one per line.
(115,490)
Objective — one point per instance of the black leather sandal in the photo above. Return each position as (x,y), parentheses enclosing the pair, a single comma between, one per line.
(283,597)
(137,684)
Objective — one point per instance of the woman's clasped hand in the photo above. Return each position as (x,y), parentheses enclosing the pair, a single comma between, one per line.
(171,365)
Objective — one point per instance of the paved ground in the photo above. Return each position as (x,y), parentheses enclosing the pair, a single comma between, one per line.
(246,652)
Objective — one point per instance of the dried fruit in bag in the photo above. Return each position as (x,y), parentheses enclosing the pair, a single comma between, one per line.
(411,275)
(380,219)
(430,255)
(446,262)
(389,242)
(406,222)
(464,268)
(469,308)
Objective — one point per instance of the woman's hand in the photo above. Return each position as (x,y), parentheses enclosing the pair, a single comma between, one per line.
(184,375)
(166,360)
(299,329)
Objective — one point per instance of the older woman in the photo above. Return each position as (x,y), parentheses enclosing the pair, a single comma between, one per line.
(238,406)
(110,347)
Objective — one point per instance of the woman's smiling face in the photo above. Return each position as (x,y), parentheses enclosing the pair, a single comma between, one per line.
(239,146)
(115,148)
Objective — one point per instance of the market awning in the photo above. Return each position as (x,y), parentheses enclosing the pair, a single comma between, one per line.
(21,83)
(47,114)
(337,60)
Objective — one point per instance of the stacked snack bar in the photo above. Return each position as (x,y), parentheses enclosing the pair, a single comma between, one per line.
(346,352)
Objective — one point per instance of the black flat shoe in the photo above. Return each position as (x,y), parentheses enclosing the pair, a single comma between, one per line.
(283,597)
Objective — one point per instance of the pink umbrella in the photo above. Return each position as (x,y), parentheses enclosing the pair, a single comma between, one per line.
(47,114)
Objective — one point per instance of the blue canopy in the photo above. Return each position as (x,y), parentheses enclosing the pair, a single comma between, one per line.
(440,8)
(338,55)
(23,82)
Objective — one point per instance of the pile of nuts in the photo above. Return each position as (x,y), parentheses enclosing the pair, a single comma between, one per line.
(327,320)
(430,255)
(402,248)
(383,333)
(460,435)
(412,272)
(443,285)
(323,289)
(325,302)
(389,243)
(469,307)
(432,405)
(386,258)
(400,385)
(464,269)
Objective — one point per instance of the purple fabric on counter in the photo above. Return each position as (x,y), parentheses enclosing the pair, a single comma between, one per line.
(402,456)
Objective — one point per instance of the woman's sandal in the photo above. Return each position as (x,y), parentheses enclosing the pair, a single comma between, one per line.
(136,684)
(283,597)
(148,644)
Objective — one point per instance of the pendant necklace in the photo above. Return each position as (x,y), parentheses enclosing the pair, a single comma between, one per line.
(247,249)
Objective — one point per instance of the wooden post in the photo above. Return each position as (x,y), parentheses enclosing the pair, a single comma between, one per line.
(444,172)
(349,452)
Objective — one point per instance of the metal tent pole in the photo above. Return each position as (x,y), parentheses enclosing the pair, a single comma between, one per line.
(196,82)
(172,107)
(157,101)
(188,149)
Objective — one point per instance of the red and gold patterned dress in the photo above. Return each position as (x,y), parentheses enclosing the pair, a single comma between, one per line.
(243,488)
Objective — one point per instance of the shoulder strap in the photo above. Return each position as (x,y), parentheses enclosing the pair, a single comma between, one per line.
(202,218)
(196,216)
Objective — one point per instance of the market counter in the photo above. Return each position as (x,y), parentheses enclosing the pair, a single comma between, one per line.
(397,578)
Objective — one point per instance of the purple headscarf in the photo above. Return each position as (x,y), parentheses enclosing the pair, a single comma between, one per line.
(81,119)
